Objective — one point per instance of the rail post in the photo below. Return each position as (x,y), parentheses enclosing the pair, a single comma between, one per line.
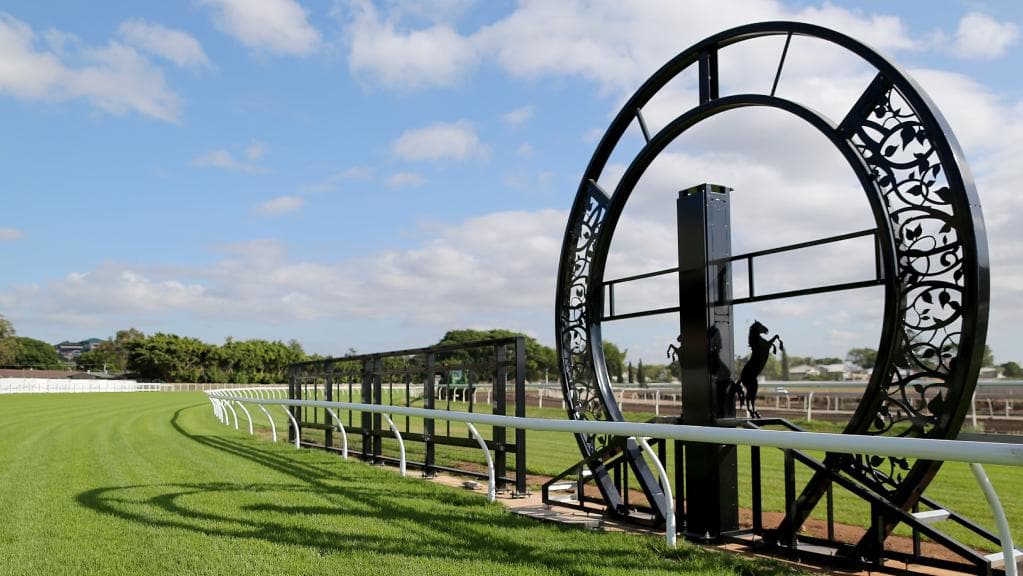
(491,480)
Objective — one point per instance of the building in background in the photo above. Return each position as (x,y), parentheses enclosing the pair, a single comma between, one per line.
(70,350)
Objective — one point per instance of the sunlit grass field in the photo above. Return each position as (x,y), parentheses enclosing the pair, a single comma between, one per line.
(151,483)
(550,453)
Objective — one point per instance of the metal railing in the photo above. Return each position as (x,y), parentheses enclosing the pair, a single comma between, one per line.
(974,453)
(487,375)
(807,399)
(71,386)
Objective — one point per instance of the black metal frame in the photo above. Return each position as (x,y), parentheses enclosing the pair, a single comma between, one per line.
(877,280)
(614,457)
(883,512)
(365,378)
(931,261)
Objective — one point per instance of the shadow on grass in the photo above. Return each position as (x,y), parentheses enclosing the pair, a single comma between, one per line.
(351,509)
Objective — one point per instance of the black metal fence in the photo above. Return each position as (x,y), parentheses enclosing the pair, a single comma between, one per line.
(438,377)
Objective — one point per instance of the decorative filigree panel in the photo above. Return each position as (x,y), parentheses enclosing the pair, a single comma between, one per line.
(928,244)
(582,391)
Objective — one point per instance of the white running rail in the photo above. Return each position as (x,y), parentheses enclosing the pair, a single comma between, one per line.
(974,453)
(72,385)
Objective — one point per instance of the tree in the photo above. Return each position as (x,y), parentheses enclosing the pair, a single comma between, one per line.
(172,358)
(1012,370)
(772,370)
(540,360)
(989,357)
(641,376)
(168,358)
(785,366)
(656,373)
(675,370)
(863,357)
(8,346)
(112,355)
(614,358)
(801,361)
(632,375)
(6,328)
(32,353)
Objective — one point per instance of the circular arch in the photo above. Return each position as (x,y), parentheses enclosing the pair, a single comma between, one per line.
(930,232)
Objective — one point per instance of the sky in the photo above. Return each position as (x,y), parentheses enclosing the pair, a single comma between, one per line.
(369,175)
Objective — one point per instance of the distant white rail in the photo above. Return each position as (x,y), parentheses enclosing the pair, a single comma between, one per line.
(974,453)
(71,385)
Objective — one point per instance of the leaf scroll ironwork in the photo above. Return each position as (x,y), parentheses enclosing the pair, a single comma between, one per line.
(896,145)
(582,389)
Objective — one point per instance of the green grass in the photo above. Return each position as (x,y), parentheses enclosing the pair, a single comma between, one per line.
(153,484)
(550,453)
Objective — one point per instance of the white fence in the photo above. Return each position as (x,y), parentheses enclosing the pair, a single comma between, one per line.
(68,385)
(974,453)
(805,399)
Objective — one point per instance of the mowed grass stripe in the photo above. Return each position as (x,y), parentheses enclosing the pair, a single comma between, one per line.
(152,483)
(550,453)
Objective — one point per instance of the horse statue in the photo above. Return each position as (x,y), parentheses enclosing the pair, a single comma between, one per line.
(727,390)
(674,350)
(761,349)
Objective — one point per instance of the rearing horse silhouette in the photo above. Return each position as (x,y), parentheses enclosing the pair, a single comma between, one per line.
(760,350)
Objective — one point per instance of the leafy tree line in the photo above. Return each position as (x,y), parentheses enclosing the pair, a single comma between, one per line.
(541,360)
(173,358)
(21,352)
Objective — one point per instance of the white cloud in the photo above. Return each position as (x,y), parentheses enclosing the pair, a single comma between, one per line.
(405,180)
(517,116)
(177,46)
(278,26)
(428,10)
(280,205)
(333,181)
(358,173)
(619,45)
(10,234)
(221,158)
(381,54)
(524,150)
(592,136)
(86,297)
(803,182)
(59,41)
(981,36)
(614,45)
(440,141)
(25,72)
(515,251)
(255,150)
(114,78)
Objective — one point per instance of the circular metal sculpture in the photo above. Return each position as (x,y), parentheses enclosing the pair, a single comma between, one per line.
(931,260)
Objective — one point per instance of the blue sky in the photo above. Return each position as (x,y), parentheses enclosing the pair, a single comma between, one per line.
(369,175)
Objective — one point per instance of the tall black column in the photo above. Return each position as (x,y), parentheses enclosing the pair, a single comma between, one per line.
(705,281)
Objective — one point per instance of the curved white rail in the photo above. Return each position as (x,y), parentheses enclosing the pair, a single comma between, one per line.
(401,442)
(926,448)
(1004,534)
(247,416)
(227,403)
(974,453)
(273,427)
(216,409)
(225,418)
(491,480)
(669,518)
(298,431)
(341,428)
